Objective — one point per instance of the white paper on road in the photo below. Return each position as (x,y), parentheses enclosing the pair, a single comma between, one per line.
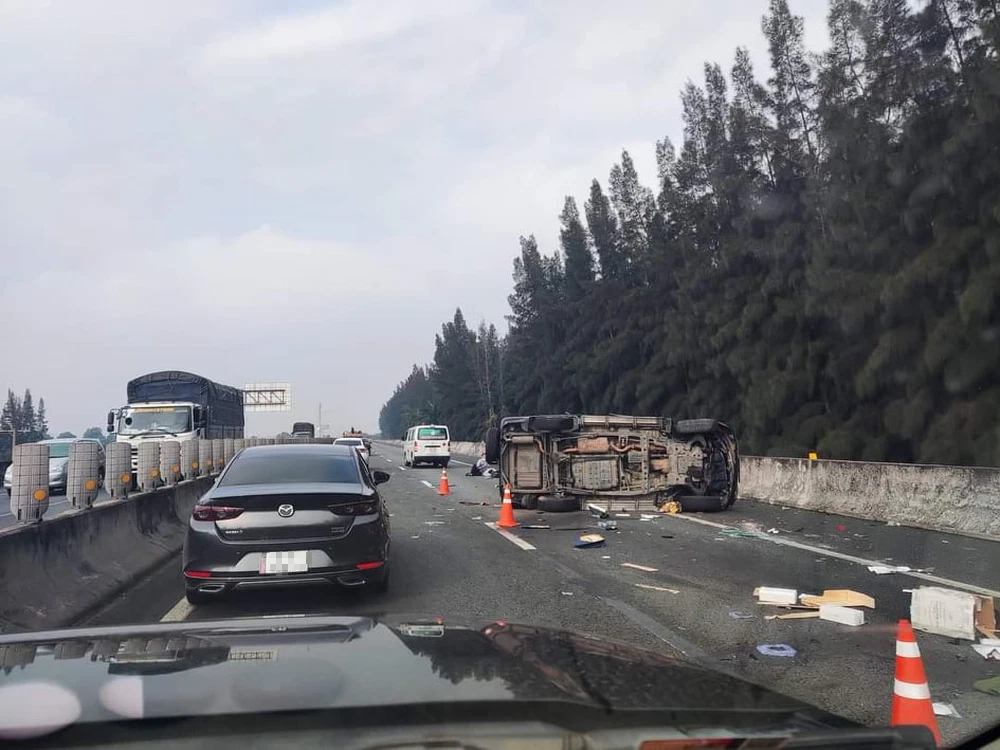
(943,611)
(882,570)
(946,709)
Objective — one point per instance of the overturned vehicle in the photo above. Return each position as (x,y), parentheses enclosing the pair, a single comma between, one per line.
(558,462)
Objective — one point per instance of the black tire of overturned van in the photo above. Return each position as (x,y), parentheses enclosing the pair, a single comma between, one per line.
(694,426)
(493,445)
(559,503)
(702,503)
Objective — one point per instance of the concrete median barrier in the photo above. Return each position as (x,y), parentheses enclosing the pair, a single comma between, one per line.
(56,572)
(962,499)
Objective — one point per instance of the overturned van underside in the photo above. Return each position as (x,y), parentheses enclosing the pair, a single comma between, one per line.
(637,462)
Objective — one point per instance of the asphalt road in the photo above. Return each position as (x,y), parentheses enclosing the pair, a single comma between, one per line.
(447,561)
(57,504)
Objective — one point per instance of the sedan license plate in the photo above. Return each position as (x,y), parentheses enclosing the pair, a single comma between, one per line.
(275,563)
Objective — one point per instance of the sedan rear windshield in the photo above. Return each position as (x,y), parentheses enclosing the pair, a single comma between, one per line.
(432,433)
(290,468)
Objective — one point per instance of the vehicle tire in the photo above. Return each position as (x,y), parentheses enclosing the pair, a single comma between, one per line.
(694,426)
(529,502)
(551,423)
(702,503)
(493,445)
(558,504)
(196,597)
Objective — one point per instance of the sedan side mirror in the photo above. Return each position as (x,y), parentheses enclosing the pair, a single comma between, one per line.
(380,477)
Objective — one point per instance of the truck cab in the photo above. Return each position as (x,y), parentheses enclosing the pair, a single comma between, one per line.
(169,420)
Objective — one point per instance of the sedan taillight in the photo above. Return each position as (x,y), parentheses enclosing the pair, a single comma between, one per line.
(353,509)
(215,512)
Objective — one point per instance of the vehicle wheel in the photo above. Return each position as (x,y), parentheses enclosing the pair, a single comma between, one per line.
(694,426)
(493,445)
(702,503)
(196,597)
(552,423)
(558,504)
(444,464)
(529,502)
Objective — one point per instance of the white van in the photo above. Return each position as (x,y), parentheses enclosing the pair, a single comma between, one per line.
(427,443)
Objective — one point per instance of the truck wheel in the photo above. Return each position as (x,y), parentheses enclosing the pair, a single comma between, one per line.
(694,426)
(558,504)
(702,503)
(493,445)
(552,423)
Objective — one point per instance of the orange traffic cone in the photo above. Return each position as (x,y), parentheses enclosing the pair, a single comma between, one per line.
(911,696)
(507,511)
(443,488)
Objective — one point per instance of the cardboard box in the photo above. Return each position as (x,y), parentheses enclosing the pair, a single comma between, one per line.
(956,614)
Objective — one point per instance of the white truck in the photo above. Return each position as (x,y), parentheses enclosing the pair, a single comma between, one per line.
(176,405)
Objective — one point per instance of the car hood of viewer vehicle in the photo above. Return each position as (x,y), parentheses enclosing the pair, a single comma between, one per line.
(253,665)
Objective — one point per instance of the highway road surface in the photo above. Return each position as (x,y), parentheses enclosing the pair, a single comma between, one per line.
(447,561)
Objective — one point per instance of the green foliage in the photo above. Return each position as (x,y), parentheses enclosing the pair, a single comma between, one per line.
(818,265)
(94,433)
(65,435)
(20,417)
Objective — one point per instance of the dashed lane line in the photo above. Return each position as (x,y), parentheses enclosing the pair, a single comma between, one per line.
(427,484)
(180,611)
(401,468)
(511,537)
(847,558)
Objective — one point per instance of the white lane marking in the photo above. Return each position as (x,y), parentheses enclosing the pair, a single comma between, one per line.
(510,537)
(178,612)
(401,468)
(425,482)
(843,556)
(456,461)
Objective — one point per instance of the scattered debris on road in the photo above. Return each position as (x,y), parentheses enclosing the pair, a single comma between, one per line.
(810,614)
(842,615)
(471,502)
(988,648)
(946,709)
(739,533)
(608,525)
(666,536)
(434,523)
(673,507)
(589,540)
(567,593)
(776,649)
(623,515)
(990,686)
(772,595)
(881,570)
(737,615)
(643,568)
(648,517)
(656,588)
(597,510)
(843,597)
(773,531)
(536,526)
(956,614)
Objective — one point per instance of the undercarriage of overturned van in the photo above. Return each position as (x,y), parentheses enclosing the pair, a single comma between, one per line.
(559,462)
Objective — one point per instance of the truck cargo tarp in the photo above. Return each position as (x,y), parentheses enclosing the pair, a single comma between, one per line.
(225,402)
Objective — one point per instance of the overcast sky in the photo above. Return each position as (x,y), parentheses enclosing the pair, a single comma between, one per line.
(304,191)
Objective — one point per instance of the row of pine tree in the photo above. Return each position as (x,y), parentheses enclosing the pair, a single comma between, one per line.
(818,263)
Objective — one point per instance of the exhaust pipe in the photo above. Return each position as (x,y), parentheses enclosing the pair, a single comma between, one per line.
(211,588)
(351,580)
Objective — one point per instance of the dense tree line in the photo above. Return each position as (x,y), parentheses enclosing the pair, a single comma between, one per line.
(818,264)
(20,417)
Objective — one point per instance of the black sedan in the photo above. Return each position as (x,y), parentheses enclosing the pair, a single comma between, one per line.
(289,515)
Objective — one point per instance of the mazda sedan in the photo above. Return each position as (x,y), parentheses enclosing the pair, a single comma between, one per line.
(289,515)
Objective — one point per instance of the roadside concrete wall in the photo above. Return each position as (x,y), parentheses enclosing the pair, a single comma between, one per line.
(944,498)
(54,573)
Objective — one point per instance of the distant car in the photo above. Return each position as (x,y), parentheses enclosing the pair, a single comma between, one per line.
(59,463)
(427,443)
(288,515)
(358,443)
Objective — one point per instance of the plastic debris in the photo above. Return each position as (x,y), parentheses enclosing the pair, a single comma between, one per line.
(946,709)
(597,510)
(639,567)
(434,523)
(881,570)
(605,557)
(622,515)
(608,525)
(477,518)
(988,648)
(990,686)
(739,533)
(666,536)
(773,531)
(842,615)
(841,527)
(535,526)
(415,536)
(589,540)
(737,615)
(656,588)
(567,593)
(673,507)
(772,595)
(647,517)
(776,649)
